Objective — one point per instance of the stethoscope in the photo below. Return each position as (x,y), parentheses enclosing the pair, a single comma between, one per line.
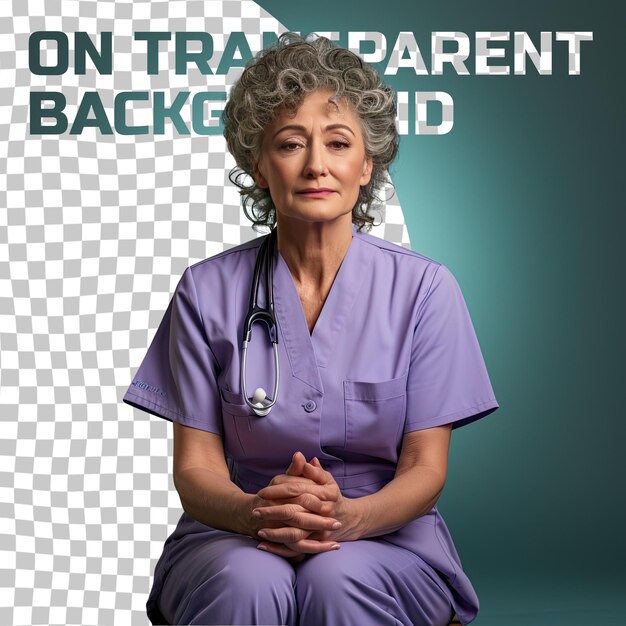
(259,402)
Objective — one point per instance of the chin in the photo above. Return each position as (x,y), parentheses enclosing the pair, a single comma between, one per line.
(319,215)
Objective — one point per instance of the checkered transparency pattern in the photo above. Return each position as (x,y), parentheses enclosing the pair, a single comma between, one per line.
(95,232)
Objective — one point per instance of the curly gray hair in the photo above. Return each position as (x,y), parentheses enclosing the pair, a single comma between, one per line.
(278,78)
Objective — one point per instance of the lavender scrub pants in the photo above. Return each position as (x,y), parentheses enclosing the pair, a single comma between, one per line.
(227,580)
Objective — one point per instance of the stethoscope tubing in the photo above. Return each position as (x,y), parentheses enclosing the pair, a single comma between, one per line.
(264,261)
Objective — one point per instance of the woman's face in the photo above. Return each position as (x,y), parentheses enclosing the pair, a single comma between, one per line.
(321,148)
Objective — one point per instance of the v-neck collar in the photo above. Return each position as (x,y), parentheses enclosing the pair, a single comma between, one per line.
(309,351)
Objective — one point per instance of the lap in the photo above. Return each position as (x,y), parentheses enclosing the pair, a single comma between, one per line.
(211,566)
(387,583)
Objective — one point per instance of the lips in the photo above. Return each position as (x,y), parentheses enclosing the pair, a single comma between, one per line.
(313,192)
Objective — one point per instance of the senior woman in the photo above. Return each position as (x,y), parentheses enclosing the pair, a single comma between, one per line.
(322,511)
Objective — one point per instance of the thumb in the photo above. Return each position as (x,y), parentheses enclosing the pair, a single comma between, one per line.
(297,464)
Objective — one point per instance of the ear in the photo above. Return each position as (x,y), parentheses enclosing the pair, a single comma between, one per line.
(261,183)
(367,171)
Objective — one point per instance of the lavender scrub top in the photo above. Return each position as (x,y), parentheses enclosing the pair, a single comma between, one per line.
(393,351)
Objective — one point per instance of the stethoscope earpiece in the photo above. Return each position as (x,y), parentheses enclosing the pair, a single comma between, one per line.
(260,403)
(259,396)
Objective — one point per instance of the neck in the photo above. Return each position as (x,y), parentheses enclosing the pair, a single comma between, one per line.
(314,251)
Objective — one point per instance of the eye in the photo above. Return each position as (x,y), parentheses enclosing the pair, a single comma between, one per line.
(290,146)
(339,144)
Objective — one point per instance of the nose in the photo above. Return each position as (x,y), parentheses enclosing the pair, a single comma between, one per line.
(315,164)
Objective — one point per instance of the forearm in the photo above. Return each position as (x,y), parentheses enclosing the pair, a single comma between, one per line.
(407,497)
(215,500)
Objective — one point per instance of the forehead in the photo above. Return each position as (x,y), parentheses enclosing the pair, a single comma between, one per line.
(319,103)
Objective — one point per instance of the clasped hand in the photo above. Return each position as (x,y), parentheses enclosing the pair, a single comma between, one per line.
(300,512)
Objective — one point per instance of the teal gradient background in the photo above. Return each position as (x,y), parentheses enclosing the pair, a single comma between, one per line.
(524,202)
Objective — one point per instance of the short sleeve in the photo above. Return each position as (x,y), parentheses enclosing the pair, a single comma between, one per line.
(447,380)
(177,379)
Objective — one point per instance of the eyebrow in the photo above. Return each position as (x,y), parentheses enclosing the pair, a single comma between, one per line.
(300,127)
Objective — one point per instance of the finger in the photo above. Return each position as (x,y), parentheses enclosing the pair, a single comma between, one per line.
(278,548)
(290,490)
(320,535)
(311,503)
(286,478)
(311,546)
(321,506)
(294,536)
(306,502)
(286,534)
(318,474)
(297,463)
(305,546)
(297,519)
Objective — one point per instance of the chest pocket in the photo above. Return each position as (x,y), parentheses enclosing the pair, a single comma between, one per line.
(375,413)
(263,440)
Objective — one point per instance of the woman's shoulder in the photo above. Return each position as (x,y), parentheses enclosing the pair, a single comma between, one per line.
(394,248)
(250,245)
(401,259)
(227,261)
